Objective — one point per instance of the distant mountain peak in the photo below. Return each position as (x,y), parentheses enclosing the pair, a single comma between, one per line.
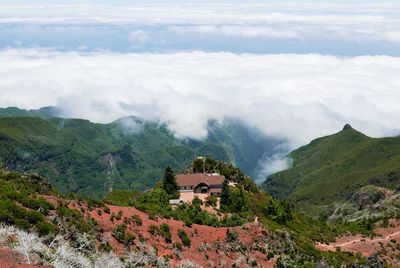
(347,126)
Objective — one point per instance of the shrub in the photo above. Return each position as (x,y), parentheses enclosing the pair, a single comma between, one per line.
(270,255)
(119,215)
(105,246)
(129,239)
(231,236)
(196,202)
(154,230)
(22,224)
(166,233)
(211,201)
(137,220)
(178,246)
(184,237)
(119,233)
(45,228)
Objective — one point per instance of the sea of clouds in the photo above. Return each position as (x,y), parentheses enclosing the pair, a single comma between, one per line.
(292,96)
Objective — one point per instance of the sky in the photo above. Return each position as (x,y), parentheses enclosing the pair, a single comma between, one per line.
(295,70)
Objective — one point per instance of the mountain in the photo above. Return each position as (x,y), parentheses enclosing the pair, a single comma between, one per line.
(331,169)
(92,159)
(44,112)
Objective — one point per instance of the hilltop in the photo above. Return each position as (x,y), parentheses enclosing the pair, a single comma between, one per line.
(333,169)
(46,228)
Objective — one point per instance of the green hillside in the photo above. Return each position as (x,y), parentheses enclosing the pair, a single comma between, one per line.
(92,159)
(45,112)
(331,168)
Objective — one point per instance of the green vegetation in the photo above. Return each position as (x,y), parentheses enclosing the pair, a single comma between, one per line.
(184,238)
(19,204)
(45,112)
(92,159)
(331,169)
(166,232)
(154,230)
(122,236)
(156,203)
(122,198)
(169,183)
(137,220)
(228,170)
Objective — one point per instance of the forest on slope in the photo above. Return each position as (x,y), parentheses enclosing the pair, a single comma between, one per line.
(92,159)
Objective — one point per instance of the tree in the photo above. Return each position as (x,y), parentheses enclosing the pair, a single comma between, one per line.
(169,182)
(225,194)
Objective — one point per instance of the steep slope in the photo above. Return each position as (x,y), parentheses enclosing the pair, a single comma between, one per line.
(92,159)
(332,168)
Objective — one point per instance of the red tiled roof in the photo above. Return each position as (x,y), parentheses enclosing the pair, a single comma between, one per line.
(195,179)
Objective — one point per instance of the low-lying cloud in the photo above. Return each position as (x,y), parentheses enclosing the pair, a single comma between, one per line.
(295,97)
(272,164)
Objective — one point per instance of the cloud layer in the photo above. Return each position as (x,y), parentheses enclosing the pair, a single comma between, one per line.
(340,29)
(298,97)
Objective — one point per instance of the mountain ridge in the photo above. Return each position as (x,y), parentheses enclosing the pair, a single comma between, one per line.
(329,169)
(91,159)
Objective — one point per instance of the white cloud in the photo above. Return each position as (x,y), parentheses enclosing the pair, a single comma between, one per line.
(298,97)
(239,31)
(271,165)
(169,26)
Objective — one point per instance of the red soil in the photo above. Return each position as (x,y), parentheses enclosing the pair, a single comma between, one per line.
(197,233)
(384,244)
(11,259)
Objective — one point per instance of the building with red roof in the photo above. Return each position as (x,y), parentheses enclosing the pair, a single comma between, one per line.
(200,183)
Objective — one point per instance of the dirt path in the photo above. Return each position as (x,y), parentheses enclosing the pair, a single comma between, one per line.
(387,245)
(357,240)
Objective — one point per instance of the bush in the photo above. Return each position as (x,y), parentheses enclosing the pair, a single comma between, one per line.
(105,246)
(137,220)
(166,233)
(119,215)
(129,239)
(231,237)
(196,202)
(178,246)
(154,230)
(119,233)
(211,201)
(184,237)
(45,228)
(270,255)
